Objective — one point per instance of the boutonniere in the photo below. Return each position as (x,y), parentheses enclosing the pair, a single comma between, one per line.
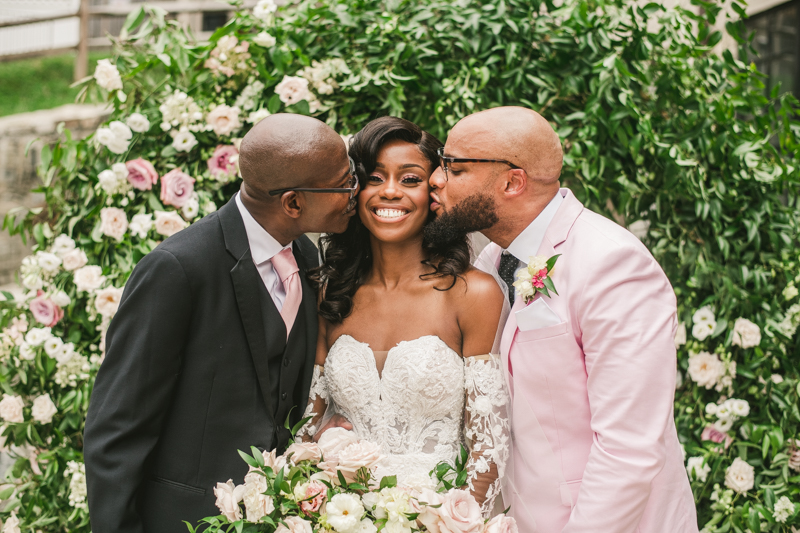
(537,277)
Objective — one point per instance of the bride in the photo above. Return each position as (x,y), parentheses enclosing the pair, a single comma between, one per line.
(407,326)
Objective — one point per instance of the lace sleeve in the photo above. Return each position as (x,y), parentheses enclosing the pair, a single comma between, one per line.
(317,404)
(486,428)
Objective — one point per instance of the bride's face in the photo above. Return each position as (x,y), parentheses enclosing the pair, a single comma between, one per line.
(394,203)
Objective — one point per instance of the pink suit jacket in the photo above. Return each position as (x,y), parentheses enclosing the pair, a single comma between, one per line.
(601,384)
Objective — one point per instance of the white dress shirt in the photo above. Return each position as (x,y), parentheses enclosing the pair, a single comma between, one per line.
(527,243)
(263,247)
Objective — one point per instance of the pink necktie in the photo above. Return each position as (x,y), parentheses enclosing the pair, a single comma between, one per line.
(287,270)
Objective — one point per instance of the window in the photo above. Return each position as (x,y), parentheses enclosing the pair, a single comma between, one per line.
(214,19)
(776,41)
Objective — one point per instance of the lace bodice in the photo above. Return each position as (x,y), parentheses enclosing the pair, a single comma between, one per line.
(427,402)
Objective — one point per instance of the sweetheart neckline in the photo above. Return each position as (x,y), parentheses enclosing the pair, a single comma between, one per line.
(389,352)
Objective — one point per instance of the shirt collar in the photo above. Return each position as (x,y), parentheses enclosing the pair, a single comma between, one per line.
(263,246)
(527,243)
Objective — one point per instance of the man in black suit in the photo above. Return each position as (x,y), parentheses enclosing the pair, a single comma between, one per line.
(199,363)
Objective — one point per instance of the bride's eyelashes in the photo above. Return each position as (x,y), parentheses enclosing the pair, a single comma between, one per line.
(406,180)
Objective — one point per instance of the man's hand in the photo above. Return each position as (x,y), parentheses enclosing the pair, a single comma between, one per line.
(336,421)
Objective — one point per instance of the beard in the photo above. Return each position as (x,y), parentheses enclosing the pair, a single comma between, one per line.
(476,212)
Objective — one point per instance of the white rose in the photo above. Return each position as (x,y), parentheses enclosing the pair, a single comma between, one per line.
(184,141)
(62,245)
(264,39)
(696,467)
(12,524)
(191,209)
(113,222)
(704,314)
(26,352)
(37,336)
(107,75)
(711,408)
(257,116)
(52,346)
(293,89)
(141,225)
(107,301)
(138,123)
(43,409)
(75,259)
(264,9)
(32,281)
(61,299)
(224,119)
(108,181)
(739,408)
(169,223)
(536,263)
(702,330)
(88,278)
(104,136)
(345,512)
(120,131)
(746,334)
(11,409)
(705,369)
(228,498)
(256,503)
(776,378)
(680,335)
(740,476)
(65,353)
(49,262)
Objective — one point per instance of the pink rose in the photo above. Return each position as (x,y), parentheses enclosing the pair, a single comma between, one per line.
(176,188)
(141,174)
(459,513)
(429,516)
(228,498)
(362,454)
(296,525)
(45,311)
(274,461)
(303,451)
(501,524)
(317,492)
(714,435)
(223,162)
(335,440)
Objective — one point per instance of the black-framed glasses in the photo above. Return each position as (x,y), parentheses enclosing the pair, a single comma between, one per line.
(445,162)
(352,187)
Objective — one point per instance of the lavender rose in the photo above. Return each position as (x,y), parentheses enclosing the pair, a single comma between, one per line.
(45,311)
(176,188)
(142,174)
(222,163)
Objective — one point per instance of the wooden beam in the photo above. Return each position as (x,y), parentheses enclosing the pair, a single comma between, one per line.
(48,18)
(170,7)
(82,59)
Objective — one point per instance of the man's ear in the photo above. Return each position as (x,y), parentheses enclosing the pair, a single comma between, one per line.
(516,182)
(292,204)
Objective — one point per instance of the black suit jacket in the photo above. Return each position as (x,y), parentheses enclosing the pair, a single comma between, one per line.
(185,382)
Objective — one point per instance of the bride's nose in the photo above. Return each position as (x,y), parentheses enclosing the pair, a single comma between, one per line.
(390,190)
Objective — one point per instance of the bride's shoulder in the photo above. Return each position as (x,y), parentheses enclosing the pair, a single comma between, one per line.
(477,286)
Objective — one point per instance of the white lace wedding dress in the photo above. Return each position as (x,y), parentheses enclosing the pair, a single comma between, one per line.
(426,403)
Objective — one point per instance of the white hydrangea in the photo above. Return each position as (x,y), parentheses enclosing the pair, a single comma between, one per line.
(697,468)
(72,370)
(321,74)
(784,508)
(76,473)
(30,273)
(788,326)
(250,95)
(180,112)
(705,369)
(61,299)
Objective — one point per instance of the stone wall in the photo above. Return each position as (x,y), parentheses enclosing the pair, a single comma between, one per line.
(18,170)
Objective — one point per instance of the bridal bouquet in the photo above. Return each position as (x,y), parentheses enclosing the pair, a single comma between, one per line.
(330,487)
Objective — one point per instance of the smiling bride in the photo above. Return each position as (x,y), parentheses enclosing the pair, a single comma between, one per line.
(407,326)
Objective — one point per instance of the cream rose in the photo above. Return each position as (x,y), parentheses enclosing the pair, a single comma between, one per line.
(335,440)
(75,259)
(705,369)
(107,301)
(303,451)
(228,498)
(459,513)
(43,409)
(296,525)
(12,524)
(362,454)
(11,409)
(169,223)
(107,75)
(740,476)
(293,89)
(746,334)
(113,222)
(501,524)
(224,119)
(88,278)
(256,503)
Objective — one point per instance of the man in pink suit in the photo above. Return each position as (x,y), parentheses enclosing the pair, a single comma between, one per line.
(592,368)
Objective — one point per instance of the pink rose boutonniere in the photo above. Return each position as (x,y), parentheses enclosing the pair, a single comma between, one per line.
(537,277)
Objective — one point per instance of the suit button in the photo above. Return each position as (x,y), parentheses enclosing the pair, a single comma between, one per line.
(285,362)
(283,396)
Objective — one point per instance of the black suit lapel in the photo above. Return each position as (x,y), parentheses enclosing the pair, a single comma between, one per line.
(245,278)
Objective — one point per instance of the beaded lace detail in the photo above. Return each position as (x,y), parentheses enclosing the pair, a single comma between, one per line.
(427,401)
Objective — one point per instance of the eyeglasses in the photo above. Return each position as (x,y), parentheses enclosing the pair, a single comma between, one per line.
(445,162)
(352,187)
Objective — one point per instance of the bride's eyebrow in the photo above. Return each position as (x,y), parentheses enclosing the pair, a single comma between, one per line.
(411,165)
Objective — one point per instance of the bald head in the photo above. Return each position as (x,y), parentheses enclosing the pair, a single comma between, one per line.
(287,150)
(517,134)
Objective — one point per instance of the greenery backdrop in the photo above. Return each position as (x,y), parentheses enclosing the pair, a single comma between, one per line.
(660,134)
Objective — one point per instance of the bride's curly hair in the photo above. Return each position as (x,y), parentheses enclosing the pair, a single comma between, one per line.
(347,257)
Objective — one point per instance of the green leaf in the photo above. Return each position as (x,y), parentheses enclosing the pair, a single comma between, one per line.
(249,460)
(388,482)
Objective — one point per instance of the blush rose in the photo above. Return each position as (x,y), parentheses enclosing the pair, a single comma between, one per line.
(176,188)
(142,174)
